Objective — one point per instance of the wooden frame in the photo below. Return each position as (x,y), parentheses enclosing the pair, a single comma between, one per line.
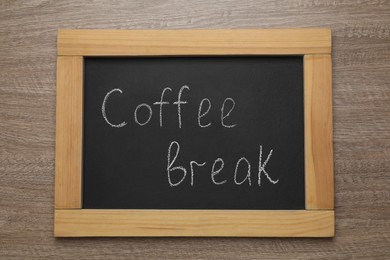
(317,220)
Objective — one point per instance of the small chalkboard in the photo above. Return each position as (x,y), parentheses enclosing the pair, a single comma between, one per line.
(194,133)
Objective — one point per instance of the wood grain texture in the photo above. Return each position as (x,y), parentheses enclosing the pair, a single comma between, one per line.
(225,223)
(361,112)
(319,177)
(193,42)
(69,132)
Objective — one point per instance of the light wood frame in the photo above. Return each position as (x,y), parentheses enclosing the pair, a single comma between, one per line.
(317,220)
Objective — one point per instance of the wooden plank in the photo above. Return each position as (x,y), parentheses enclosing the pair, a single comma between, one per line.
(193,42)
(318,132)
(69,132)
(243,223)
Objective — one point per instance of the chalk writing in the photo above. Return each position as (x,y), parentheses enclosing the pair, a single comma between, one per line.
(174,148)
(177,174)
(104,108)
(204,109)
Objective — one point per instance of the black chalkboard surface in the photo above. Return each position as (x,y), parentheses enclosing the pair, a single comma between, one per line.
(226,133)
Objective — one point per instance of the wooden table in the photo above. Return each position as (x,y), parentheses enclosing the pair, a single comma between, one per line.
(361,107)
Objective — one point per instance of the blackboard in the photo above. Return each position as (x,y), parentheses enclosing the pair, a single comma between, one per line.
(254,105)
(194,133)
